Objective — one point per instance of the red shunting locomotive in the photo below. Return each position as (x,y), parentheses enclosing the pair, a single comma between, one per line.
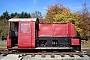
(28,33)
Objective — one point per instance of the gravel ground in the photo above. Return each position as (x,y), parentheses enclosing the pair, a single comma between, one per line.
(1,56)
(11,57)
(39,57)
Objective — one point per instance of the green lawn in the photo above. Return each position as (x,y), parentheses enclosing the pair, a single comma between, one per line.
(85,45)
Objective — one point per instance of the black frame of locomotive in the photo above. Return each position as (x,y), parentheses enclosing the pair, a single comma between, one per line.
(61,41)
(53,41)
(58,42)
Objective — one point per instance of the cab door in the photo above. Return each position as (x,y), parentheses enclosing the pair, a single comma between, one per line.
(24,35)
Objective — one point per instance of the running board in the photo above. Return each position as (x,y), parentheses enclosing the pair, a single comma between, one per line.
(53,48)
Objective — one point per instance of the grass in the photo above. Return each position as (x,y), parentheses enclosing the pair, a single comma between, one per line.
(2,44)
(85,44)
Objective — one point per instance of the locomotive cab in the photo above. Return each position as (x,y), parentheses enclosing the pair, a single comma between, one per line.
(21,33)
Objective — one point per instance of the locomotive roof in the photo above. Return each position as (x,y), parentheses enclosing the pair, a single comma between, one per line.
(22,19)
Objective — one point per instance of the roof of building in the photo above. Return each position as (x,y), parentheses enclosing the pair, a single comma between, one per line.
(22,19)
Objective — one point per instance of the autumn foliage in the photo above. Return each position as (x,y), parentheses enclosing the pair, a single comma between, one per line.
(60,14)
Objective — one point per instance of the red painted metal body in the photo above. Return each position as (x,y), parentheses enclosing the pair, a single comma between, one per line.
(26,36)
(45,30)
(8,42)
(75,41)
(59,30)
(9,37)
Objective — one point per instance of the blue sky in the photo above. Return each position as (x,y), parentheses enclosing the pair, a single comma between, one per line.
(38,5)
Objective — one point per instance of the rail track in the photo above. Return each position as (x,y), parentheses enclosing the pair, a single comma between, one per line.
(44,54)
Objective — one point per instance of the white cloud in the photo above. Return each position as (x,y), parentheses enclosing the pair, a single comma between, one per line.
(34,3)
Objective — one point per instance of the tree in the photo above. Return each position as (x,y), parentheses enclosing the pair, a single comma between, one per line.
(85,20)
(5,15)
(24,15)
(12,15)
(27,15)
(37,14)
(64,16)
(52,11)
(59,14)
